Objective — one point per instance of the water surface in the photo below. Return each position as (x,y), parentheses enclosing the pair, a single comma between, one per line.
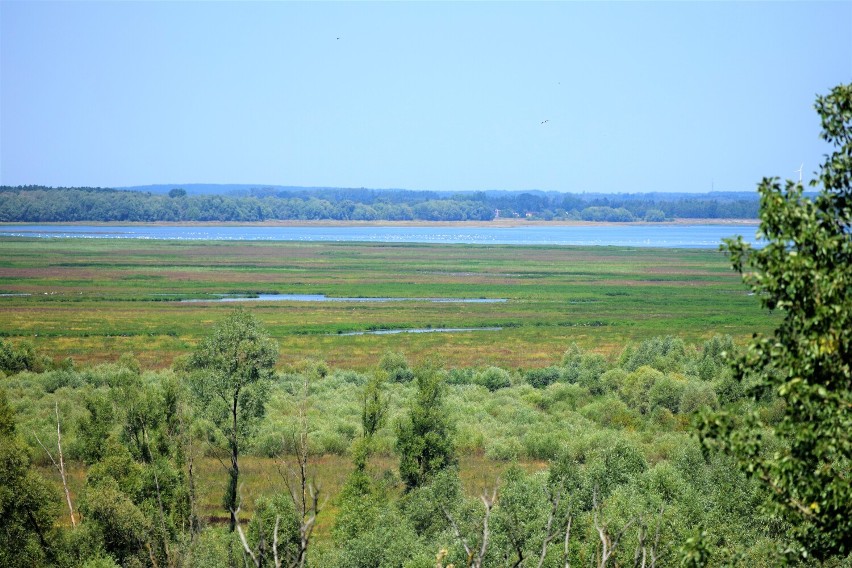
(644,235)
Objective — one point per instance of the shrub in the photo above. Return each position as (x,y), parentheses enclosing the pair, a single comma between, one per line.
(570,396)
(23,357)
(540,378)
(610,412)
(461,377)
(395,365)
(613,379)
(635,390)
(655,216)
(542,444)
(350,377)
(500,449)
(662,353)
(584,369)
(56,380)
(666,392)
(493,378)
(698,395)
(614,466)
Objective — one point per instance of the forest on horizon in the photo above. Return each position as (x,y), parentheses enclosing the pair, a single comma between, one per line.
(252,204)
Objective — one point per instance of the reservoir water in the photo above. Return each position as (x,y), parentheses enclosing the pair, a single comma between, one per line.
(642,235)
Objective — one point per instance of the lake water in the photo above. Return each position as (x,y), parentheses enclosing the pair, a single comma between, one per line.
(650,235)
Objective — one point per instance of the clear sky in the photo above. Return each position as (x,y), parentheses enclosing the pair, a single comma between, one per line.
(564,96)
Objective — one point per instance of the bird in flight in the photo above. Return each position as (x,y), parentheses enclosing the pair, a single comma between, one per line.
(543,121)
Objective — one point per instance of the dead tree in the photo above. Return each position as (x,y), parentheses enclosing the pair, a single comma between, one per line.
(646,553)
(474,557)
(60,466)
(608,543)
(303,491)
(550,532)
(257,556)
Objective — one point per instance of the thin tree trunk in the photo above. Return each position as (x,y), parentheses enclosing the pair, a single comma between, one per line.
(60,466)
(159,503)
(234,471)
(194,524)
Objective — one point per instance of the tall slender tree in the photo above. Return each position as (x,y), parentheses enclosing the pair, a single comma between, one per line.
(229,374)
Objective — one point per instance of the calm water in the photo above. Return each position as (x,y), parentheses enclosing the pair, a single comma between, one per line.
(665,236)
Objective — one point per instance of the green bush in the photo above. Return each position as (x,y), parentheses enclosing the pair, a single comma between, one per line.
(611,413)
(396,367)
(540,378)
(461,376)
(562,396)
(613,466)
(666,392)
(23,357)
(612,380)
(493,378)
(698,395)
(501,449)
(542,443)
(636,387)
(664,354)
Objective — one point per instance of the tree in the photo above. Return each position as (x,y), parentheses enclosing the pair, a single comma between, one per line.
(804,271)
(229,373)
(425,437)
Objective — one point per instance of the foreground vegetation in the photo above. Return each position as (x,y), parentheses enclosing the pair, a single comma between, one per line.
(611,436)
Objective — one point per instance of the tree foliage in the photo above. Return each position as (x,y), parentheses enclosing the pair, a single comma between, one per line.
(804,271)
(425,437)
(229,372)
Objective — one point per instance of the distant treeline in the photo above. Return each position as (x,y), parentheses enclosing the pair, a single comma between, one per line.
(66,204)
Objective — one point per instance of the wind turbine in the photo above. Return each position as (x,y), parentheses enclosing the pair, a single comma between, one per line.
(800,171)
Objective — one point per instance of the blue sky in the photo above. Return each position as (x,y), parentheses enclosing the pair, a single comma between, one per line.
(563,96)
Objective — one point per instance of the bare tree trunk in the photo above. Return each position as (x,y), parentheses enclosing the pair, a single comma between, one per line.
(159,502)
(305,495)
(567,538)
(549,534)
(275,556)
(234,470)
(60,466)
(194,523)
(608,543)
(475,558)
(254,558)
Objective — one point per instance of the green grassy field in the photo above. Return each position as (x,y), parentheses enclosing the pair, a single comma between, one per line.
(93,299)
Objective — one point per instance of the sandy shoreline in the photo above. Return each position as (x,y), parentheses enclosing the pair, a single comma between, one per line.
(500,223)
